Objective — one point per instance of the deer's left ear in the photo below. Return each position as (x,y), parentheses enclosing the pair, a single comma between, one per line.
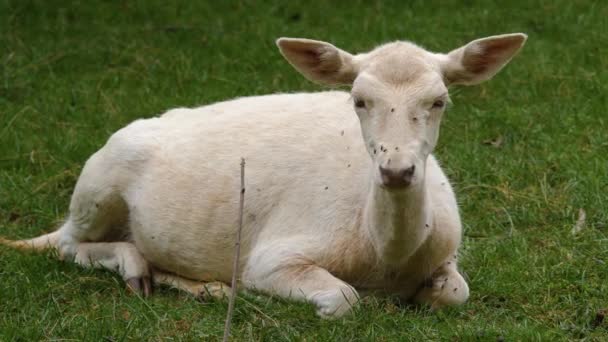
(481,59)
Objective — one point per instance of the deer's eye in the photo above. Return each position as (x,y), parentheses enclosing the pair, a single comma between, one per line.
(438,104)
(359,103)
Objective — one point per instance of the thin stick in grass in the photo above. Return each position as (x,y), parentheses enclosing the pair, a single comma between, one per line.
(237,252)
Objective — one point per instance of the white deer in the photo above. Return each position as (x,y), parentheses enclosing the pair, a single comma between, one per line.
(343,194)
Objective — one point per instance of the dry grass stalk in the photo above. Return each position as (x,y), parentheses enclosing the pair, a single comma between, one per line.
(237,253)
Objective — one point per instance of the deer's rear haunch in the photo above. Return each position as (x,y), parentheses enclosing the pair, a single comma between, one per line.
(343,193)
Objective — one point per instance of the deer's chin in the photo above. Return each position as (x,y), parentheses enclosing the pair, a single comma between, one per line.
(400,188)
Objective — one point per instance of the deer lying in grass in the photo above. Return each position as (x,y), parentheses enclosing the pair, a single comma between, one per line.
(342,190)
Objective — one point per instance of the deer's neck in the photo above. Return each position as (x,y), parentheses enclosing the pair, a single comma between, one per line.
(398,222)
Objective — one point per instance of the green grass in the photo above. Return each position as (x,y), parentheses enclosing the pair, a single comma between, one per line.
(71,73)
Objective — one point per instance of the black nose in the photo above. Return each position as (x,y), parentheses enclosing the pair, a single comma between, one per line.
(397,178)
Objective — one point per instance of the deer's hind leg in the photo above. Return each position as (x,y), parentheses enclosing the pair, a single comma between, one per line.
(96,232)
(122,257)
(199,289)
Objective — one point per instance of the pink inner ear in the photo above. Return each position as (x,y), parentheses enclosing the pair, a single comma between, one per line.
(313,57)
(316,58)
(307,54)
(491,54)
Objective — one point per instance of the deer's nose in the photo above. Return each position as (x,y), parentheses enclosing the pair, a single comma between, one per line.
(397,177)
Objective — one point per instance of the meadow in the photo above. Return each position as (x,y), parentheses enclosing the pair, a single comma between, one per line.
(526,152)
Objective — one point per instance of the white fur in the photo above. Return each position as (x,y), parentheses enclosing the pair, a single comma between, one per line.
(318,224)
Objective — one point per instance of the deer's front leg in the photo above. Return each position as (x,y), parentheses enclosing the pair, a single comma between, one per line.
(279,270)
(445,287)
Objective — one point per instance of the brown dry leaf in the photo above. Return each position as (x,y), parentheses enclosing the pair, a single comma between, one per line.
(391,308)
(599,318)
(496,142)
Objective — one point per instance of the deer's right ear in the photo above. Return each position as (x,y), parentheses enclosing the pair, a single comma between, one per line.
(319,61)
